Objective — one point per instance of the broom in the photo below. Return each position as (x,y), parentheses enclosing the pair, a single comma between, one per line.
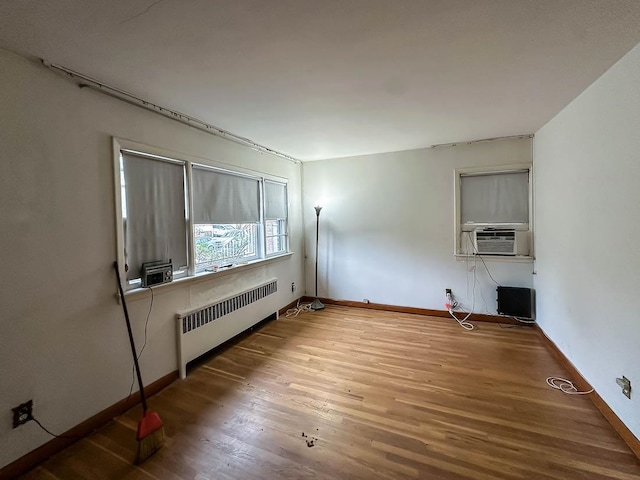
(150,430)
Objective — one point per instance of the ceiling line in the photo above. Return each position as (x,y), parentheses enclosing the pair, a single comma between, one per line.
(88,82)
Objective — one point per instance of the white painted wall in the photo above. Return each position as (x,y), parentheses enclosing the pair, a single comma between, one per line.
(386,230)
(63,340)
(587,177)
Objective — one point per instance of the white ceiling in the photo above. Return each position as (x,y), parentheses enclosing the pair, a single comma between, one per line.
(329,78)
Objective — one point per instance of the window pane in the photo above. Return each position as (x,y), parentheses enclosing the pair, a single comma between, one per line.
(495,198)
(276,236)
(154,220)
(217,245)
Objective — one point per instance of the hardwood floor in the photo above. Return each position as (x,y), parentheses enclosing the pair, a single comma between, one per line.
(348,393)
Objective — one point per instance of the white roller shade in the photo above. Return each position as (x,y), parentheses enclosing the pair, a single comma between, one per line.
(155,226)
(275,200)
(495,198)
(220,198)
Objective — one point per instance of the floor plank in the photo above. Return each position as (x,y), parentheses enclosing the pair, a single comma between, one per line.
(348,393)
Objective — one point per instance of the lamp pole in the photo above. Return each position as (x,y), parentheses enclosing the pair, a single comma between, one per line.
(317,304)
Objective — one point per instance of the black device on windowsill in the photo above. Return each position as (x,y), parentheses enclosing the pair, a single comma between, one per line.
(156,273)
(516,302)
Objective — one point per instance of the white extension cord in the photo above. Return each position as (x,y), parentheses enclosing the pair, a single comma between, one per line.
(522,320)
(298,309)
(464,323)
(451,305)
(565,386)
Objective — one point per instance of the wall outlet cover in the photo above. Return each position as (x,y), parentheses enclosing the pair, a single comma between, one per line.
(22,413)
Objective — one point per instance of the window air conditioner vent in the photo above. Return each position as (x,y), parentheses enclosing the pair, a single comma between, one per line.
(495,242)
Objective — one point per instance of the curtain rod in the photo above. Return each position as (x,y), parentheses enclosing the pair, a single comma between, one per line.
(88,82)
(482,140)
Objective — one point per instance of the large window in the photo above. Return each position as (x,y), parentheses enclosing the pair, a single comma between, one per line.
(493,198)
(153,213)
(226,218)
(167,205)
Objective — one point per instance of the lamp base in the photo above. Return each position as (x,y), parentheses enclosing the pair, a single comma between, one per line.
(317,305)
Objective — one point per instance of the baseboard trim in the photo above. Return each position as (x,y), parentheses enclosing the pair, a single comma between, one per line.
(53,446)
(476,317)
(582,384)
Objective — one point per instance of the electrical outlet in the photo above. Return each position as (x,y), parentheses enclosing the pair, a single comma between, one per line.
(293,287)
(625,384)
(22,413)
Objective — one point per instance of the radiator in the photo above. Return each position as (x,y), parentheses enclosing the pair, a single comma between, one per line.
(204,328)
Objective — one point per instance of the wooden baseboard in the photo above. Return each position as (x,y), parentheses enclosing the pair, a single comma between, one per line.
(581,383)
(476,317)
(53,446)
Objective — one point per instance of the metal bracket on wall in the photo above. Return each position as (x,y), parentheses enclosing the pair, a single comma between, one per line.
(625,383)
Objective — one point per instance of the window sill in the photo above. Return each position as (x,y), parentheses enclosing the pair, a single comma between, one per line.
(496,258)
(136,293)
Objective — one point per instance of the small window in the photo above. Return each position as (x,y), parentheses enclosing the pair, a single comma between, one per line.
(494,199)
(275,199)
(497,198)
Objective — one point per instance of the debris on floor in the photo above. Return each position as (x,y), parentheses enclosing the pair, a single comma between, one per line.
(311,441)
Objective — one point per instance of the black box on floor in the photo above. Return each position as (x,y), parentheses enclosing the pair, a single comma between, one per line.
(516,301)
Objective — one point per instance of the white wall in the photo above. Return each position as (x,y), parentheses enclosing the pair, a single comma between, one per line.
(386,230)
(587,177)
(63,340)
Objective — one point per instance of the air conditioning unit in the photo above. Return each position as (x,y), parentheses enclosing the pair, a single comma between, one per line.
(501,242)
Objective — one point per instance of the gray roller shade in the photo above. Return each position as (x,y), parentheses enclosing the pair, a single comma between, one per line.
(155,226)
(222,198)
(275,200)
(495,198)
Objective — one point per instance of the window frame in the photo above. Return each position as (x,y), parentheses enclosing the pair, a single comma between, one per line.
(259,225)
(285,220)
(160,154)
(460,228)
(177,273)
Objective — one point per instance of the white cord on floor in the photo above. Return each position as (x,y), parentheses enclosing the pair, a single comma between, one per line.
(298,309)
(463,323)
(528,322)
(565,386)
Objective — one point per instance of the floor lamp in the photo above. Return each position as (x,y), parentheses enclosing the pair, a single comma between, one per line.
(317,304)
